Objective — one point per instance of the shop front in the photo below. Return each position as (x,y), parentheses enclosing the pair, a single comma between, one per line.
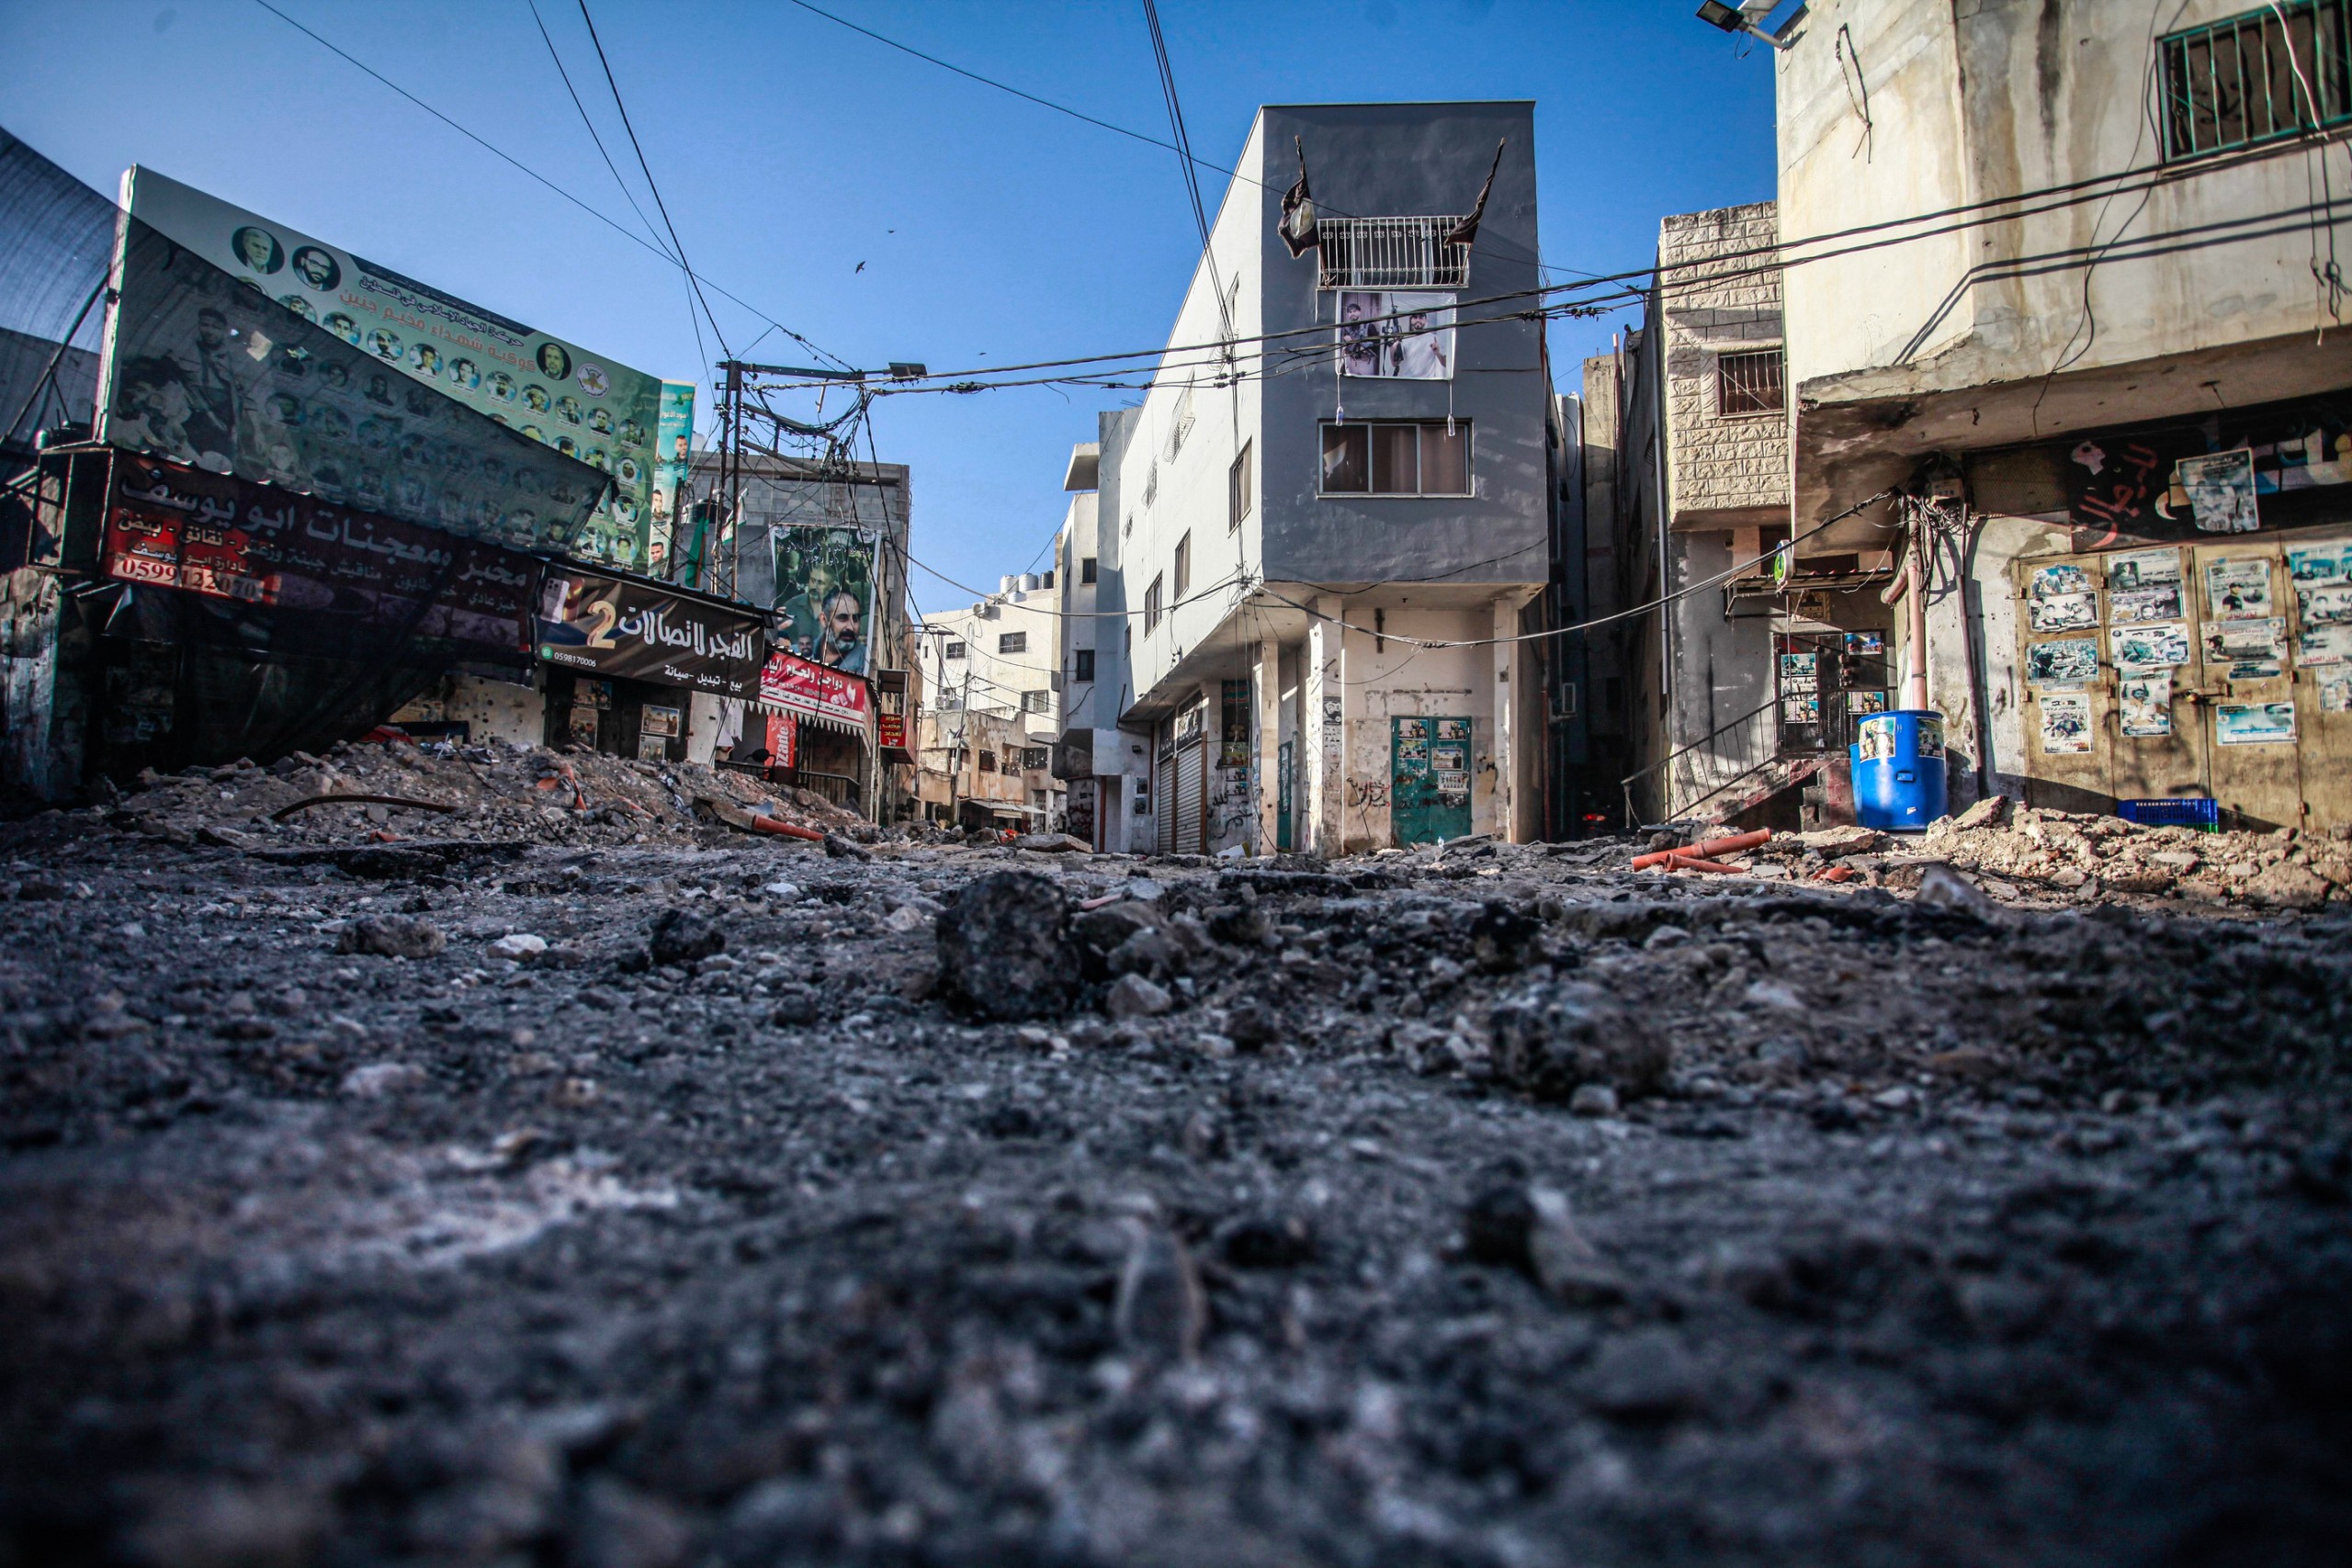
(821,727)
(625,659)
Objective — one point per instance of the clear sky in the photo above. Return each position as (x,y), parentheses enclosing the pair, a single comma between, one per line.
(789,150)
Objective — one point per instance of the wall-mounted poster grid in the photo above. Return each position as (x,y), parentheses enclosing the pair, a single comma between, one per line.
(1396,334)
(554,392)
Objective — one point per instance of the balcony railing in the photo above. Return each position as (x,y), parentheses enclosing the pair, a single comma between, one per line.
(1391,253)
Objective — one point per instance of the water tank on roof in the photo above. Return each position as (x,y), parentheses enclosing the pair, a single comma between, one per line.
(1029,583)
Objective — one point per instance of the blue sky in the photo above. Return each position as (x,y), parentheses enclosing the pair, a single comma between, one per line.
(789,149)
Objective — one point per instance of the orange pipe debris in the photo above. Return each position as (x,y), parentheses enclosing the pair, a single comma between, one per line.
(1695,862)
(1707,851)
(790,829)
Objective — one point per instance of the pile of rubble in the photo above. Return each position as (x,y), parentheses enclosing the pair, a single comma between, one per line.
(2018,853)
(402,789)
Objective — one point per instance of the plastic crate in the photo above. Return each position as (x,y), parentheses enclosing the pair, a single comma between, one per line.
(2175,811)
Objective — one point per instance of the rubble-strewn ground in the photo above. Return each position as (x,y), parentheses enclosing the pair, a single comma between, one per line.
(1495,1207)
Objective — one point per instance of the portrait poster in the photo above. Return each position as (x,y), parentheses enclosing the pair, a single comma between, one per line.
(1453,729)
(2158,602)
(1801,708)
(2324,603)
(614,628)
(1396,334)
(202,371)
(661,721)
(2254,724)
(2073,662)
(2335,692)
(2066,722)
(2248,650)
(2155,647)
(652,748)
(552,391)
(824,593)
(2064,612)
(1866,702)
(2319,646)
(2058,582)
(2135,569)
(2315,565)
(2237,587)
(1800,673)
(673,468)
(331,575)
(2146,701)
(2220,491)
(1865,644)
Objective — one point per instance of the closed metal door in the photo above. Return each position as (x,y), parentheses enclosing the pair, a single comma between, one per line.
(1430,768)
(1192,797)
(1163,803)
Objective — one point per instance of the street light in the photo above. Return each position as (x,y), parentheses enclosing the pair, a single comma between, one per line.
(1742,18)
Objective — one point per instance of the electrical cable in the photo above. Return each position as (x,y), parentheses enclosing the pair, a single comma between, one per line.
(626,195)
(521,167)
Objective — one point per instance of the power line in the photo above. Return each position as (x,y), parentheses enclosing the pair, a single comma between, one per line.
(625,193)
(1185,161)
(618,227)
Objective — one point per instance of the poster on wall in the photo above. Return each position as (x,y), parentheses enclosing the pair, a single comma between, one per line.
(2249,650)
(673,468)
(1398,335)
(2237,586)
(2143,585)
(1866,702)
(1799,672)
(555,392)
(2335,694)
(2074,663)
(2146,702)
(2254,724)
(2064,612)
(2066,722)
(627,630)
(824,593)
(2324,603)
(815,691)
(2319,646)
(2064,581)
(203,371)
(2151,647)
(2220,486)
(661,721)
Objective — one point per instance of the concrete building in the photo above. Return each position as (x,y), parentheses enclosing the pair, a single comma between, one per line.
(1743,686)
(992,672)
(1106,770)
(2095,332)
(1332,509)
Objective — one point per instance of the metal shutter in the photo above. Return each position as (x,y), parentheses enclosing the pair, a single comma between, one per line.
(1191,795)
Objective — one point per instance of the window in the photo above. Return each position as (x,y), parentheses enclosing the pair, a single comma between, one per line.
(1086,568)
(955,651)
(1237,489)
(1748,383)
(1151,484)
(1391,253)
(1181,425)
(988,762)
(1151,608)
(1037,757)
(2271,72)
(1036,702)
(1396,459)
(1183,573)
(1012,642)
(1082,664)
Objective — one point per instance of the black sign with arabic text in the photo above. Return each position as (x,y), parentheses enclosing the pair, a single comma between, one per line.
(614,628)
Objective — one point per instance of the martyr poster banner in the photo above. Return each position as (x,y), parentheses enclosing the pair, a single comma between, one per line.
(614,629)
(815,691)
(557,393)
(172,526)
(201,371)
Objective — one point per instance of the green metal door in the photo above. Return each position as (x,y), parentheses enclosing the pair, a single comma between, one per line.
(1282,796)
(1428,796)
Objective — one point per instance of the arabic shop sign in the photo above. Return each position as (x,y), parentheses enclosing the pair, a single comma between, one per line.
(568,399)
(816,690)
(214,534)
(616,629)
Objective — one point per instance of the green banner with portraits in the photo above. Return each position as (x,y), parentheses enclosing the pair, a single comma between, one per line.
(824,594)
(583,405)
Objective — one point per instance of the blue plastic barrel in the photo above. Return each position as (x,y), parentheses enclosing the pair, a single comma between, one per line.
(1898,759)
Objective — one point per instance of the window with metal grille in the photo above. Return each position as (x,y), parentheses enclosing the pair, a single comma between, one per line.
(1035,757)
(955,651)
(1151,608)
(1237,489)
(1081,664)
(1037,701)
(1396,459)
(2270,73)
(1183,566)
(1390,253)
(1012,642)
(1748,383)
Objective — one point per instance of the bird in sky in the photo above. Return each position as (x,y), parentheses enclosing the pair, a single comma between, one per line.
(859,267)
